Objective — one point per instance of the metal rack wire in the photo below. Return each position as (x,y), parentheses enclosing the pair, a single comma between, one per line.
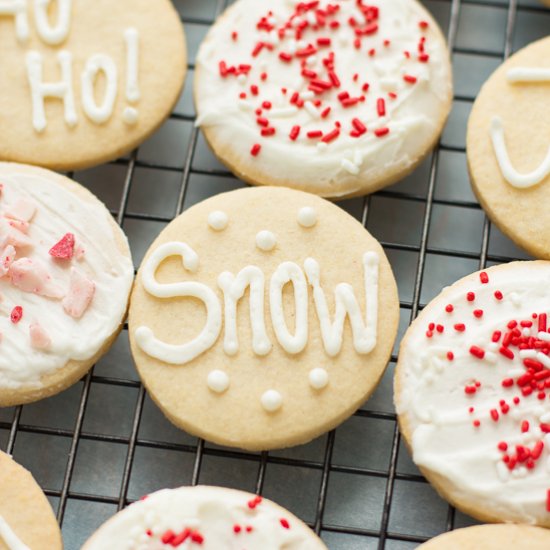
(372,518)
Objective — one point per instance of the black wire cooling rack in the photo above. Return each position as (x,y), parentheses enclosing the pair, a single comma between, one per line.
(101,444)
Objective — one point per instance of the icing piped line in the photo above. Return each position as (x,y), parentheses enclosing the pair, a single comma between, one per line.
(528,74)
(10,538)
(511,175)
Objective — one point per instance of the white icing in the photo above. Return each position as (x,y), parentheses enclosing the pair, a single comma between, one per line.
(412,116)
(59,211)
(218,381)
(364,333)
(318,378)
(271,400)
(434,403)
(182,353)
(307,216)
(41,90)
(52,35)
(213,512)
(96,63)
(10,538)
(285,273)
(528,74)
(218,220)
(18,9)
(133,93)
(130,116)
(511,175)
(266,240)
(233,290)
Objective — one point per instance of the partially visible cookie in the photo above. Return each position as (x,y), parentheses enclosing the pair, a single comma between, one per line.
(508,147)
(65,279)
(491,537)
(210,518)
(472,393)
(88,80)
(262,318)
(27,521)
(352,95)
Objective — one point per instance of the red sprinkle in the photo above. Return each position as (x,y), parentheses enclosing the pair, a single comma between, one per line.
(498,295)
(256,148)
(470,296)
(294,133)
(423,24)
(16,314)
(478,313)
(381,106)
(483,277)
(449,308)
(494,415)
(410,79)
(460,327)
(477,351)
(450,355)
(285,523)
(381,132)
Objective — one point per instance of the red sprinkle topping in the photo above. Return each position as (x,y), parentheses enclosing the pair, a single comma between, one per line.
(256,148)
(470,296)
(449,308)
(285,523)
(477,352)
(483,277)
(16,314)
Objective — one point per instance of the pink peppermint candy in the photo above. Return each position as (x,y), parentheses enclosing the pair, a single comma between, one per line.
(81,292)
(32,276)
(64,249)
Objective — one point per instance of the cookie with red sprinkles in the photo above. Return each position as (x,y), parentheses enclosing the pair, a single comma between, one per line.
(472,393)
(491,537)
(27,521)
(334,97)
(508,147)
(204,518)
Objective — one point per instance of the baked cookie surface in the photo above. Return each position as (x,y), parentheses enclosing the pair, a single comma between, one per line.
(27,521)
(491,537)
(65,278)
(352,96)
(88,79)
(508,147)
(204,517)
(233,324)
(472,393)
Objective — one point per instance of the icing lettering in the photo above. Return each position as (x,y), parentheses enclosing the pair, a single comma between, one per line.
(170,353)
(103,112)
(57,34)
(233,287)
(528,74)
(131,37)
(18,9)
(40,90)
(9,537)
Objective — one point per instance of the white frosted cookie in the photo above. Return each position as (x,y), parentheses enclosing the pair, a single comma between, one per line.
(27,521)
(88,79)
(472,391)
(210,518)
(65,278)
(491,537)
(508,147)
(262,317)
(337,98)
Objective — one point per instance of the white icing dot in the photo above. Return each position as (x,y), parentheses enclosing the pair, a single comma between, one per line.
(130,115)
(218,381)
(217,220)
(318,378)
(266,240)
(307,216)
(271,400)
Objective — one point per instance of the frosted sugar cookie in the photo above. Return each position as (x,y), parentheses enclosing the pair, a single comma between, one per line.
(210,518)
(65,277)
(491,537)
(508,147)
(26,518)
(472,391)
(88,80)
(262,317)
(352,95)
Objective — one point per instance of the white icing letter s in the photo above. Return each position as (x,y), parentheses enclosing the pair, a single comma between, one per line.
(183,353)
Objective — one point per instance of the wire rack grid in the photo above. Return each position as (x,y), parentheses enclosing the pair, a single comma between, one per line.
(101,444)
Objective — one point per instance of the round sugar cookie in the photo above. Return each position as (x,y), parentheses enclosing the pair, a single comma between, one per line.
(89,80)
(27,521)
(491,537)
(65,278)
(352,96)
(472,393)
(508,147)
(211,518)
(233,323)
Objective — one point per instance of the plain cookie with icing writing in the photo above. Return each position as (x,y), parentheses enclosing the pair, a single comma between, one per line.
(65,278)
(337,98)
(209,518)
(262,317)
(508,147)
(27,521)
(472,393)
(89,80)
